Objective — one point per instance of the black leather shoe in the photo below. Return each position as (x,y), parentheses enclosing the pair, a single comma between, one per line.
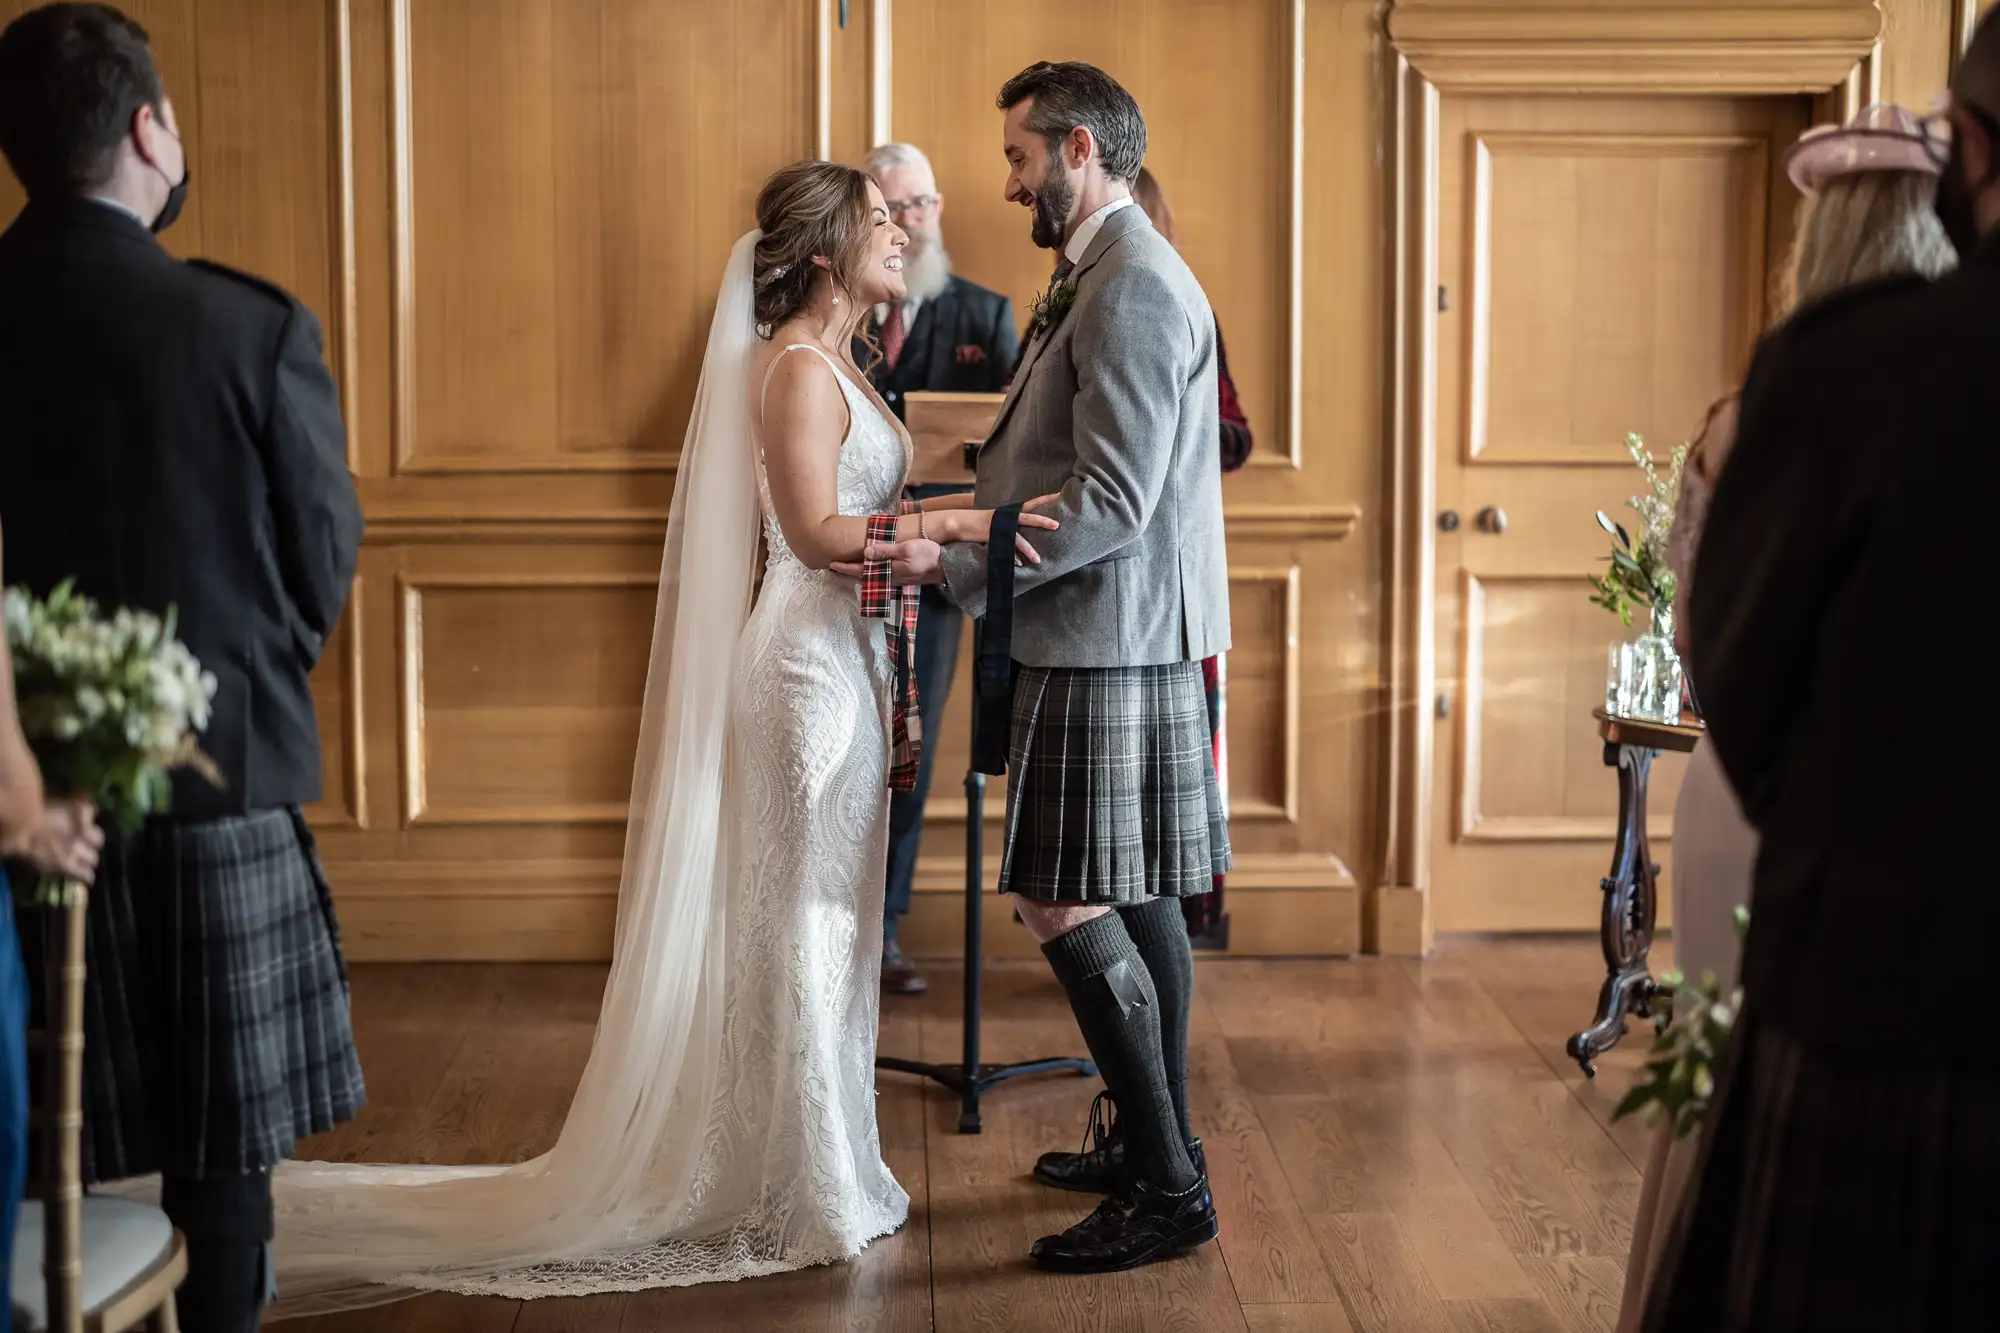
(1140,1226)
(1100,1167)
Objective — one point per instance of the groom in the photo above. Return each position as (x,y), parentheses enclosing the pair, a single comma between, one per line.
(1113,809)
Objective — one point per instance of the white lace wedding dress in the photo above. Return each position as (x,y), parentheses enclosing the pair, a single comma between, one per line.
(725,1124)
(794,1165)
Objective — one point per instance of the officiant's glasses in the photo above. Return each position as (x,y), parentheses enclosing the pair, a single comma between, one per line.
(920,205)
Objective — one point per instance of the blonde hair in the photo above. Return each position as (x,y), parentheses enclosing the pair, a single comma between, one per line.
(1872,224)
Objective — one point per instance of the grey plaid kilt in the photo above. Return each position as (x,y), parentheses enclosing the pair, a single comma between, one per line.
(1111,789)
(216,1030)
(1838,1194)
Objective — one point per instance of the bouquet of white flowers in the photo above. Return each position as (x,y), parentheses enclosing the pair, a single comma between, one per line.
(110,706)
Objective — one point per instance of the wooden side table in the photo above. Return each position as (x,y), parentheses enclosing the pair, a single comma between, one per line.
(1631,890)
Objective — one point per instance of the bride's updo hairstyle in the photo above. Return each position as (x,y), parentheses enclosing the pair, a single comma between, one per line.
(808,210)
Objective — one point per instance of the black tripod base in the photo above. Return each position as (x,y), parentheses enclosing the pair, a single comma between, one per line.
(984,1078)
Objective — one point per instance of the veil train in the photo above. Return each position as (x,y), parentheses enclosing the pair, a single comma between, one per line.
(598,1211)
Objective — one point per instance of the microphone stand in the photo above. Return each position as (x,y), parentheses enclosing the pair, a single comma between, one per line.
(968,1077)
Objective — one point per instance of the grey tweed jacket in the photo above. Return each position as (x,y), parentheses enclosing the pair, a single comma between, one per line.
(1116,409)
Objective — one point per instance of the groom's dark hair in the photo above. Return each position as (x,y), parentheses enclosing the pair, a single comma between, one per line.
(1069,93)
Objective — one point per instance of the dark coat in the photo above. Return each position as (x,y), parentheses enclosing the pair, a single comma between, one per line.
(1842,652)
(170,436)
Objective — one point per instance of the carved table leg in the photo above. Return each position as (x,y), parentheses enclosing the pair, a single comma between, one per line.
(1631,900)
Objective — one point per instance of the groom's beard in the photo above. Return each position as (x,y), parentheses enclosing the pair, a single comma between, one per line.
(1052,205)
(926,265)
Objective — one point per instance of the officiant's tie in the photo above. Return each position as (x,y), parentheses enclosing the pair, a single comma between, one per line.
(881,599)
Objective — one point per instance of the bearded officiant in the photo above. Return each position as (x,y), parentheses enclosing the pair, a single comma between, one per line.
(947,336)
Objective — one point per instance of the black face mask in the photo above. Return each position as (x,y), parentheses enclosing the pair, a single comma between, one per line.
(1954,204)
(177,193)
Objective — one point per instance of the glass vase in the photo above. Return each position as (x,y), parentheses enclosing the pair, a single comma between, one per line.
(1652,684)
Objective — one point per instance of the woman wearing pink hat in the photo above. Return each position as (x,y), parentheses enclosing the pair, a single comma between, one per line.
(1868,187)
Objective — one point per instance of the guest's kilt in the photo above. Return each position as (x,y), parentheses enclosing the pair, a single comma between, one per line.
(1836,1194)
(216,1030)
(1111,788)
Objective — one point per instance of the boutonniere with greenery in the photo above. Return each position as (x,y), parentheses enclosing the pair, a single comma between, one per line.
(1678,1080)
(1052,305)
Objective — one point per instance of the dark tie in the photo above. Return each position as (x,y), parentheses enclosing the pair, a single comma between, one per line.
(1063,269)
(893,335)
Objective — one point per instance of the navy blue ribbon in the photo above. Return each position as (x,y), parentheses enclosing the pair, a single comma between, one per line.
(993,649)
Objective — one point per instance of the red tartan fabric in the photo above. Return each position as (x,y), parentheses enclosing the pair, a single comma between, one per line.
(883,600)
(1235,425)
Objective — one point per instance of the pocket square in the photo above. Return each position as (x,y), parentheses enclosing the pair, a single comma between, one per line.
(970,354)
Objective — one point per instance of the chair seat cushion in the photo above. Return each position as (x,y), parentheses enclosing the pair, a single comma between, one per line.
(122,1241)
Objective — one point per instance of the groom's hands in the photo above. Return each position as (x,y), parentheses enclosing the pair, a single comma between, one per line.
(920,560)
(915,561)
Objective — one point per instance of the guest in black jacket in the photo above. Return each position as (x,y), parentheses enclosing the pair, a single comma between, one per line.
(170,437)
(954,336)
(1842,642)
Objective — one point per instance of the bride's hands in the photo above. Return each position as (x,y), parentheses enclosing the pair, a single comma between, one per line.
(976,525)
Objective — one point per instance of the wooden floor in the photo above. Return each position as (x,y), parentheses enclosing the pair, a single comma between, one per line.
(1393,1145)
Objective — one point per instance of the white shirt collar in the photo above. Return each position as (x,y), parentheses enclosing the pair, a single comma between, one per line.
(114,205)
(1087,230)
(910,308)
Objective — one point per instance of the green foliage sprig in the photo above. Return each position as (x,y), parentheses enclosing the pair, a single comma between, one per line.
(1678,1080)
(1639,575)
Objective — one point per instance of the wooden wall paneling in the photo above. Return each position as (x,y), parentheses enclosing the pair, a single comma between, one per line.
(511,674)
(1397,914)
(1919,47)
(552,303)
(1745,47)
(534,278)
(1965,16)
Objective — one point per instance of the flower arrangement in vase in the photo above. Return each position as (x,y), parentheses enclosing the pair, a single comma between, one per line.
(1646,681)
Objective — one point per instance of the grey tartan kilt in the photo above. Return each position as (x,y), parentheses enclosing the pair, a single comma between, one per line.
(1839,1194)
(1111,792)
(216,1026)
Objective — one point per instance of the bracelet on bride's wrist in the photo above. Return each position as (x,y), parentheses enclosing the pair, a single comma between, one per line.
(922,536)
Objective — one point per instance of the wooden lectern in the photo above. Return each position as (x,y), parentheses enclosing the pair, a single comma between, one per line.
(948,429)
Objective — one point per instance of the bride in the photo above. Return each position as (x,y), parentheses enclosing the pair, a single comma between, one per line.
(725,1123)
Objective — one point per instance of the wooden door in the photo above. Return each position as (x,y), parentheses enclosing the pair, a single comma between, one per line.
(1605,266)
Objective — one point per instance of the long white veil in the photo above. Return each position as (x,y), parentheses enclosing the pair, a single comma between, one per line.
(621,1172)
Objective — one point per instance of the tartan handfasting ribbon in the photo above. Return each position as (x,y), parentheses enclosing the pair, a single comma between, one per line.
(881,599)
